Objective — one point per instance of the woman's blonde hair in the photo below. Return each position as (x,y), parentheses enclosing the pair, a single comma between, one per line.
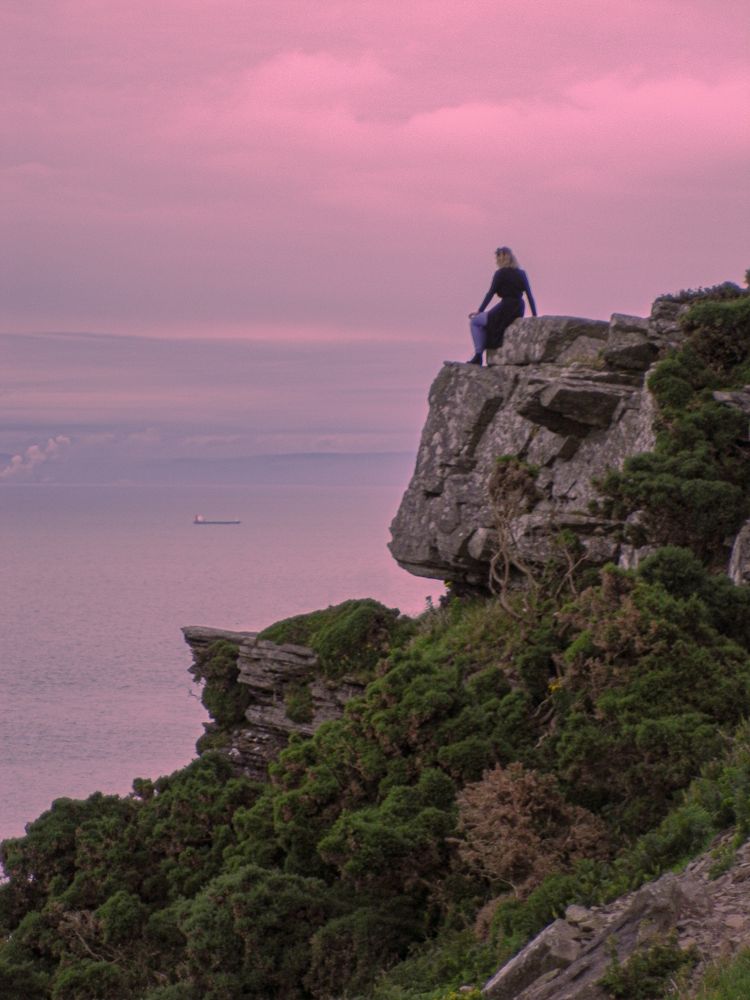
(506,257)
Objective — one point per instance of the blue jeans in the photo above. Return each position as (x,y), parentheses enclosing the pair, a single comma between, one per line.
(478,326)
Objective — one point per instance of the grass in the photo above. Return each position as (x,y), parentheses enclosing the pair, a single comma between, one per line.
(727,980)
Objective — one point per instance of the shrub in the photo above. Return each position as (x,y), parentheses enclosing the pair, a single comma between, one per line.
(437,969)
(692,489)
(298,702)
(223,697)
(646,974)
(248,933)
(349,638)
(721,333)
(518,828)
(120,917)
(87,980)
(349,951)
(22,981)
(646,684)
(727,980)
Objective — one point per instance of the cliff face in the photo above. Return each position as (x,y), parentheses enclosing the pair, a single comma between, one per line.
(563,394)
(275,676)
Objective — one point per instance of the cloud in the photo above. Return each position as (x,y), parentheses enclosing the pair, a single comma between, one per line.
(22,466)
(265,165)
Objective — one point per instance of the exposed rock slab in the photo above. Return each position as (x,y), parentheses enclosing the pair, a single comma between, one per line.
(565,961)
(739,560)
(271,671)
(562,339)
(565,394)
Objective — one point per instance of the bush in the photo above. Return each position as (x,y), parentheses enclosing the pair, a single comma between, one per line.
(647,973)
(248,933)
(692,490)
(89,980)
(349,638)
(727,980)
(349,952)
(298,702)
(223,697)
(720,333)
(646,685)
(517,828)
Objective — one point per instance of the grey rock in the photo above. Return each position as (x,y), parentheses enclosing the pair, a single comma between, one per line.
(269,669)
(629,344)
(552,399)
(555,948)
(664,321)
(573,405)
(739,399)
(739,560)
(631,556)
(561,339)
(707,913)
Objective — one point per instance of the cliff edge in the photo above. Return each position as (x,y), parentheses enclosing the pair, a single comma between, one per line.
(565,395)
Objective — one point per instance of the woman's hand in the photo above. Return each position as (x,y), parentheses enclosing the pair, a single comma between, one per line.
(472,315)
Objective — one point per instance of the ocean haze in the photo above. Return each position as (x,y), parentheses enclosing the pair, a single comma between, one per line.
(139,409)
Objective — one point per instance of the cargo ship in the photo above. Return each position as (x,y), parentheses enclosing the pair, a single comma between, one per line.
(200,519)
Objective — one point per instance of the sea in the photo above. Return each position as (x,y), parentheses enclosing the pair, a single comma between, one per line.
(96,584)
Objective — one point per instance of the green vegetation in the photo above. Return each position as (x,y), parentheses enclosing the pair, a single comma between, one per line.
(298,702)
(693,489)
(508,756)
(223,698)
(349,638)
(647,973)
(727,982)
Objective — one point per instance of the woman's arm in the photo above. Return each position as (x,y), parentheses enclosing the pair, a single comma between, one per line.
(529,296)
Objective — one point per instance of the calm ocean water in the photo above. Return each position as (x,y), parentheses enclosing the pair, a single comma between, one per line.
(96,582)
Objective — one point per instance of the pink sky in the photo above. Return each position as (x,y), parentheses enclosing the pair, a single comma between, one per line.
(339,173)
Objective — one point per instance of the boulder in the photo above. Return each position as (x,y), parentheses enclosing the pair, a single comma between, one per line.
(739,560)
(561,339)
(630,345)
(566,395)
(555,948)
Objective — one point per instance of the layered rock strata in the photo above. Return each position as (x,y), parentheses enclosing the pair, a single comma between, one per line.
(272,672)
(565,395)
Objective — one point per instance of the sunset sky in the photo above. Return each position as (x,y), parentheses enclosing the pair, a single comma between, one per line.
(239,227)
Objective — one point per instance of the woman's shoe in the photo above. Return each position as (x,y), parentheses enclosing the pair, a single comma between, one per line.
(476,360)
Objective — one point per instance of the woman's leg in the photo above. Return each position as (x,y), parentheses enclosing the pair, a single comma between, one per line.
(478,326)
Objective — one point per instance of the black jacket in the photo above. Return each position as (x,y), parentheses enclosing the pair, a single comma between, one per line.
(510,284)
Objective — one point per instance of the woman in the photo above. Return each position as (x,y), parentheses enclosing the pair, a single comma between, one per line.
(509,284)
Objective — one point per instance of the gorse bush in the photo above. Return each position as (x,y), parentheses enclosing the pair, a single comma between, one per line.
(223,698)
(349,638)
(720,336)
(379,834)
(692,489)
(517,828)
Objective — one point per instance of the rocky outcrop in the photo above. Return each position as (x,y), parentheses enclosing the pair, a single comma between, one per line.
(274,675)
(739,561)
(710,915)
(563,394)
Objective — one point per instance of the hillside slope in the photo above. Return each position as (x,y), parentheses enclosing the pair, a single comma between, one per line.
(558,739)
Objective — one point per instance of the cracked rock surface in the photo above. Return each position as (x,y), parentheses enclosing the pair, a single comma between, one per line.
(567,395)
